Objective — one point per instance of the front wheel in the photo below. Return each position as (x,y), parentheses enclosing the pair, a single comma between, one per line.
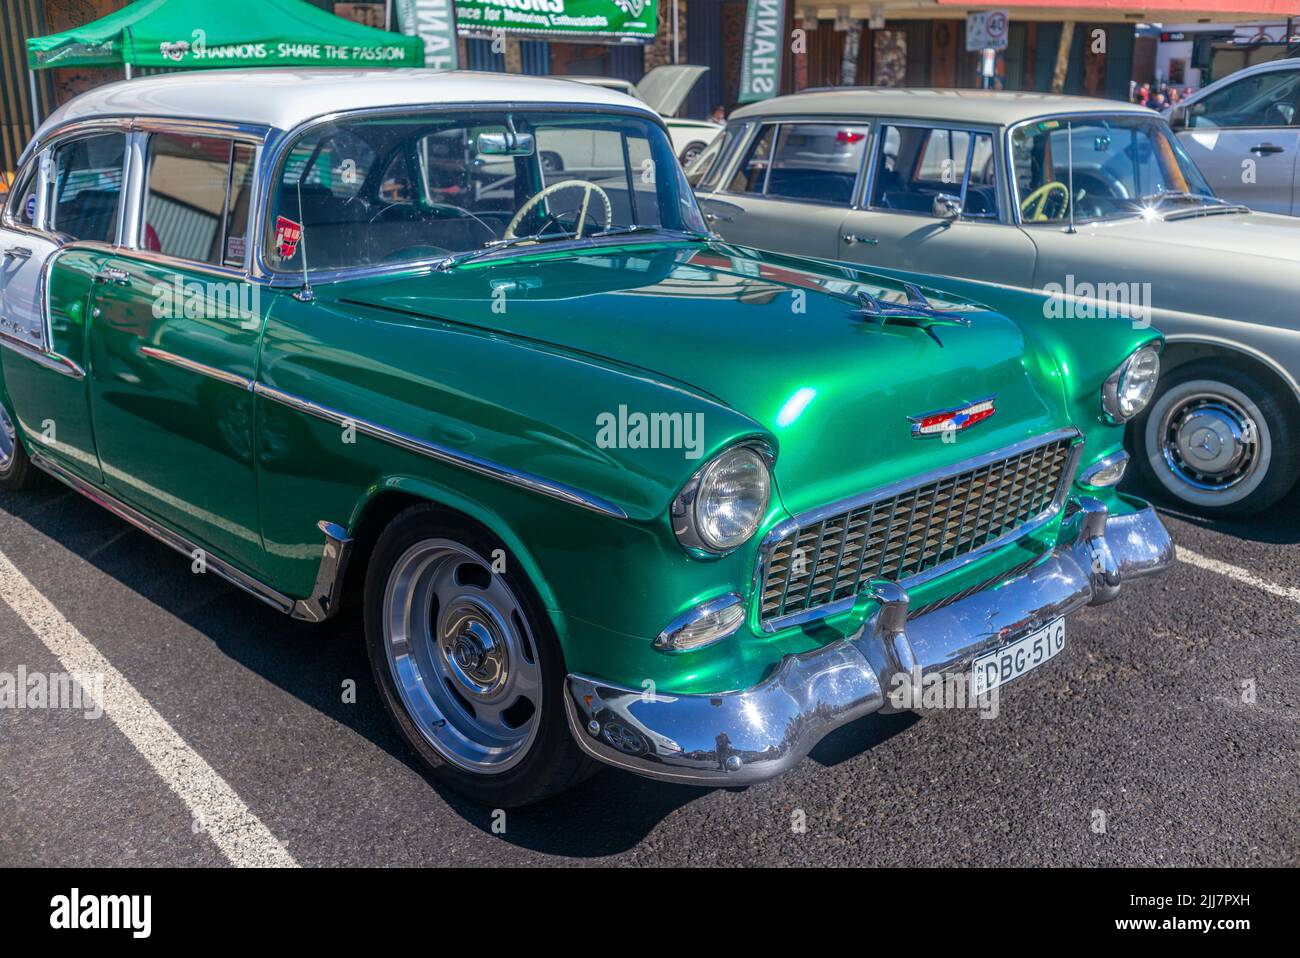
(16,470)
(1219,441)
(467,661)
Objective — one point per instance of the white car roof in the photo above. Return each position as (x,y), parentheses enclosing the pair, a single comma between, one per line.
(285,98)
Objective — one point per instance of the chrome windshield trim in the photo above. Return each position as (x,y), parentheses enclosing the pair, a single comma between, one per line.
(440,453)
(189,365)
(279,144)
(783,529)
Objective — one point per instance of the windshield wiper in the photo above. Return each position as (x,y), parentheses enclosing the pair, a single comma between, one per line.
(469,255)
(458,259)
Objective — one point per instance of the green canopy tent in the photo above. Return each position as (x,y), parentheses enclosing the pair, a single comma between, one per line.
(201,35)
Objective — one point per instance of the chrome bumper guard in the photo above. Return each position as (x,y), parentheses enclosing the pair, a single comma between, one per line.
(737,738)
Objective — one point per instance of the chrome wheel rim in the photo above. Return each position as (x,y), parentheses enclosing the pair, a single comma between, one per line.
(8,438)
(1210,441)
(462,656)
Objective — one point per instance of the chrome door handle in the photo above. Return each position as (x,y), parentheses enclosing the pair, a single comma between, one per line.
(119,276)
(718,218)
(853,239)
(17,252)
(1266,148)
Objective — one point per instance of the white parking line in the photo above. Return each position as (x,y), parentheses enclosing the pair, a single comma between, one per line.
(1238,573)
(239,833)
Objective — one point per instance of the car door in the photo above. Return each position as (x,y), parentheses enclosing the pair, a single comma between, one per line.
(791,187)
(1245,138)
(918,172)
(174,342)
(77,218)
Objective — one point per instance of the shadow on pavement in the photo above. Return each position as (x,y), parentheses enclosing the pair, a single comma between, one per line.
(1279,525)
(608,814)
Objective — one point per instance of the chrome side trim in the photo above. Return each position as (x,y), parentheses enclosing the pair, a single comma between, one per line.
(440,453)
(189,365)
(60,364)
(329,580)
(783,529)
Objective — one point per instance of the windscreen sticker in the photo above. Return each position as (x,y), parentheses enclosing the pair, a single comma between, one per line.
(287,235)
(30,208)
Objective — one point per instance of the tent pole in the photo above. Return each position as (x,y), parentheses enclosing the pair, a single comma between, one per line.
(128,70)
(36,105)
(388,15)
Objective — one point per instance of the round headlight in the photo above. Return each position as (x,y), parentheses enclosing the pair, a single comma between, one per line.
(723,504)
(1129,388)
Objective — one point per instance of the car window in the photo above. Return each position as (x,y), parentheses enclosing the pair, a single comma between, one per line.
(817,161)
(1116,165)
(21,205)
(87,187)
(706,169)
(196,201)
(751,175)
(1266,99)
(916,164)
(462,181)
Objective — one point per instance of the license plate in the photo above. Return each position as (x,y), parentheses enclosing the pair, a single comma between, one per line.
(1016,658)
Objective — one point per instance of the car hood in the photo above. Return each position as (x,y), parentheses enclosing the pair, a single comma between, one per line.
(780,340)
(665,88)
(1249,259)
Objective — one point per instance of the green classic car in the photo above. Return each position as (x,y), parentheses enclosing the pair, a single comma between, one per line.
(607,487)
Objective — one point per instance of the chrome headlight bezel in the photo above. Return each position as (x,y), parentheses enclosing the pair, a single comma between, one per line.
(684,514)
(1112,407)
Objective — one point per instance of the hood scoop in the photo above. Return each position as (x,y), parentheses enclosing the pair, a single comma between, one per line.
(918,312)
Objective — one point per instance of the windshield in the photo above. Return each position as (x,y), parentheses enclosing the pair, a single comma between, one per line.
(1123,165)
(406,188)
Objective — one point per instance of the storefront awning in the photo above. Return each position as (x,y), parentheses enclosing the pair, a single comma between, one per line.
(201,34)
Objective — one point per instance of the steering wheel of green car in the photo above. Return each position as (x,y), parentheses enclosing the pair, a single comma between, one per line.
(587,187)
(1034,206)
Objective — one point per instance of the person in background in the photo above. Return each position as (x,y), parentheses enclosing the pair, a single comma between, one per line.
(719,114)
(1142,94)
(1157,102)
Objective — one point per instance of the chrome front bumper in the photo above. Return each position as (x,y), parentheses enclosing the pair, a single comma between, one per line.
(736,738)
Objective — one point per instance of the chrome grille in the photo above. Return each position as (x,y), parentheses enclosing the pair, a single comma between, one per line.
(902,533)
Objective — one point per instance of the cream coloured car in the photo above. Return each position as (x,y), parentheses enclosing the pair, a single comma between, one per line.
(1092,206)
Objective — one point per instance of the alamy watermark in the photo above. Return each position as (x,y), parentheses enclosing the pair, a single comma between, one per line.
(195,299)
(53,690)
(654,430)
(1075,300)
(911,691)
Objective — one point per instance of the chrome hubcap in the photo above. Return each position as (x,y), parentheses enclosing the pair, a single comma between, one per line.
(1210,441)
(462,656)
(8,438)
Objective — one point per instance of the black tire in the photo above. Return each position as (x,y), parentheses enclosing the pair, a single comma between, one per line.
(1240,397)
(16,470)
(552,761)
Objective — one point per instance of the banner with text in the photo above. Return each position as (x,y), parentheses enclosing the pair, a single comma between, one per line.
(433,21)
(623,20)
(760,58)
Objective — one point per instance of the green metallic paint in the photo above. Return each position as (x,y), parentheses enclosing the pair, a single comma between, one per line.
(50,409)
(759,345)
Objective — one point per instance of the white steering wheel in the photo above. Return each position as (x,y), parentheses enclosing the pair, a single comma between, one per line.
(585,186)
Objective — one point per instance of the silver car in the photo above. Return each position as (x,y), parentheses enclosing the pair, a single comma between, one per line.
(1244,133)
(1092,206)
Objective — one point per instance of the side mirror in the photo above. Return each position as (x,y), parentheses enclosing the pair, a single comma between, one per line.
(1178,119)
(946,206)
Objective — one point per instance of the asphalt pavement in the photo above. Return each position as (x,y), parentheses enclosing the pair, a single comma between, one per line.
(1166,733)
